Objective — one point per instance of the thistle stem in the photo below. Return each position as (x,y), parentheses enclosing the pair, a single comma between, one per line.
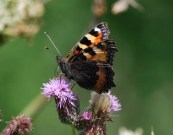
(35,106)
(73,130)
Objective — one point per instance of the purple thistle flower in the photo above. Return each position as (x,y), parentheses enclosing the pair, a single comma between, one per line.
(115,105)
(83,121)
(55,87)
(104,103)
(86,116)
(60,89)
(18,125)
(67,102)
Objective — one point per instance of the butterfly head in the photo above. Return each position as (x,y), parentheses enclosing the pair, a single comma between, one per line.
(60,60)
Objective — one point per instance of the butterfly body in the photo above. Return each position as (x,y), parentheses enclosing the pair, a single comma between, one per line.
(89,63)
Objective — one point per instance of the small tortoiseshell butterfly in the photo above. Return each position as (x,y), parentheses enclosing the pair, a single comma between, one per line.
(89,63)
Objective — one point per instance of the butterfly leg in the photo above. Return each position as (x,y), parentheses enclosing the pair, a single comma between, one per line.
(74,83)
(57,72)
(60,76)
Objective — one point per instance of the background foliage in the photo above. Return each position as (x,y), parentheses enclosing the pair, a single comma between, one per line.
(143,65)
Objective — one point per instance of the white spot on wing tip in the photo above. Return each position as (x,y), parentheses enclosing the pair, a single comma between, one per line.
(97,29)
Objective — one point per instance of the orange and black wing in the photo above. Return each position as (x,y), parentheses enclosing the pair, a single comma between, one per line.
(89,63)
(94,46)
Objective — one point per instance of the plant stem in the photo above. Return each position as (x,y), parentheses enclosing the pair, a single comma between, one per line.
(35,106)
(73,130)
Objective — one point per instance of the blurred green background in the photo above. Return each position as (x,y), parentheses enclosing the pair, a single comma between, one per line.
(143,65)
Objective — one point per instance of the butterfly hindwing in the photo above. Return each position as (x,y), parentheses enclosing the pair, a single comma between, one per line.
(90,75)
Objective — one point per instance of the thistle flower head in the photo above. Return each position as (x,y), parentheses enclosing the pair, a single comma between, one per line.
(58,88)
(18,125)
(104,103)
(67,102)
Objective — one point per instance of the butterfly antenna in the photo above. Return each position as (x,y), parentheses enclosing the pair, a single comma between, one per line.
(53,43)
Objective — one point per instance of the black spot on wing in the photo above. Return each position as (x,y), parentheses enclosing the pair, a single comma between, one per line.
(85,41)
(101,25)
(94,33)
(101,46)
(78,48)
(79,57)
(90,51)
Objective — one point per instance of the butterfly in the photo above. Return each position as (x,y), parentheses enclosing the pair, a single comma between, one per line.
(89,63)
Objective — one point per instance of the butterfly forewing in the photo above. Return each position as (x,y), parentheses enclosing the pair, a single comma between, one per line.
(86,48)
